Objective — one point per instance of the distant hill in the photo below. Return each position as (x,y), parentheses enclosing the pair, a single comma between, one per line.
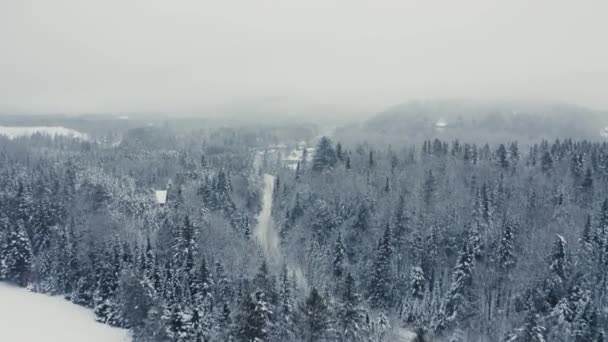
(469,120)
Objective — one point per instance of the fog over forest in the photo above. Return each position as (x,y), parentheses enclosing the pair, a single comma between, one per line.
(303,171)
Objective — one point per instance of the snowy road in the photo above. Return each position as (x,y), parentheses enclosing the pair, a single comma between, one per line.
(265,233)
(33,317)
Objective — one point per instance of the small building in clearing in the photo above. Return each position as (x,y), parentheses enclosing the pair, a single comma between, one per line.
(161,197)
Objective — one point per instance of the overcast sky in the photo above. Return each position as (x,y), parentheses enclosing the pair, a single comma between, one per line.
(196,56)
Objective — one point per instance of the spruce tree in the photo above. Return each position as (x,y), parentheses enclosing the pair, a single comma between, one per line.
(339,255)
(350,315)
(325,156)
(315,317)
(286,314)
(16,255)
(546,162)
(339,152)
(254,322)
(502,157)
(559,267)
(507,257)
(380,285)
(459,297)
(105,298)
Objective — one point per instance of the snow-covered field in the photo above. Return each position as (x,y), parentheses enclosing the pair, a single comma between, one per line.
(13,132)
(33,317)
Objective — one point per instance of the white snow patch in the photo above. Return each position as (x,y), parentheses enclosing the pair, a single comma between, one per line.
(405,335)
(13,132)
(161,196)
(33,317)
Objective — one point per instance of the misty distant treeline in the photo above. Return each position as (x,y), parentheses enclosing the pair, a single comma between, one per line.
(454,240)
(481,121)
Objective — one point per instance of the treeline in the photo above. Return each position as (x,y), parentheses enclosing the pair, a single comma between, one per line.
(453,241)
(458,241)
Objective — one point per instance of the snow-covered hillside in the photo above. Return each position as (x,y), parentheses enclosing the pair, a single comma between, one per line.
(13,132)
(33,317)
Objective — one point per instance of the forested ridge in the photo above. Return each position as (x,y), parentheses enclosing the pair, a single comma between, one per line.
(454,240)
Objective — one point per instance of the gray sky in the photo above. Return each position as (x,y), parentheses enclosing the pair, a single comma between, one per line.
(196,56)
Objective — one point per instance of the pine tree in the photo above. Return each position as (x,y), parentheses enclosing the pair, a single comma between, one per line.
(559,269)
(387,186)
(223,289)
(380,285)
(459,296)
(184,245)
(507,257)
(417,282)
(176,315)
(531,331)
(105,298)
(502,157)
(546,162)
(586,245)
(351,315)
(339,254)
(266,283)
(298,171)
(514,153)
(16,255)
(429,189)
(315,317)
(324,157)
(254,322)
(286,315)
(339,152)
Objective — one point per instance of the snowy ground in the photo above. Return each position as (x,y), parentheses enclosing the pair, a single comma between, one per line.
(265,233)
(13,132)
(33,317)
(404,335)
(268,237)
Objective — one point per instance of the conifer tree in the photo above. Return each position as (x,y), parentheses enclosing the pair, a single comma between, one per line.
(325,156)
(286,315)
(502,157)
(514,153)
(105,298)
(350,315)
(559,269)
(339,152)
(459,296)
(531,331)
(254,322)
(339,255)
(546,162)
(298,171)
(380,285)
(315,315)
(16,255)
(507,257)
(387,186)
(417,282)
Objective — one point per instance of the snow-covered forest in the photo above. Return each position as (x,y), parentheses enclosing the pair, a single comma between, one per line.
(435,240)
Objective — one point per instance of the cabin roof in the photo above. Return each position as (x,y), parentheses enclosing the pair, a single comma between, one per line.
(161,196)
